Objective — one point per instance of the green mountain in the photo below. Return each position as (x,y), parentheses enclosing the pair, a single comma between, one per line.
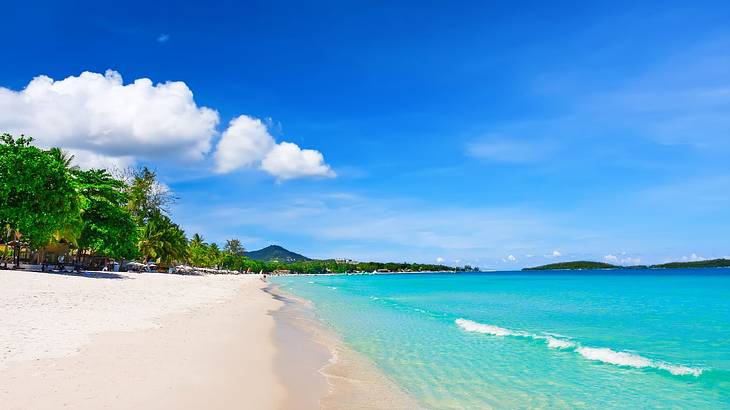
(275,253)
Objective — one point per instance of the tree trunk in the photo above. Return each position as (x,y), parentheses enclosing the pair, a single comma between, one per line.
(17,255)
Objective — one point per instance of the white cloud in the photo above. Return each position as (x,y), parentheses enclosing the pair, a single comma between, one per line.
(101,115)
(511,258)
(287,161)
(88,160)
(440,260)
(554,254)
(247,142)
(106,123)
(630,261)
(163,38)
(693,258)
(622,260)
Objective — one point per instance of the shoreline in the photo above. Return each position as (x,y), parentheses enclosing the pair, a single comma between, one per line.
(150,341)
(158,341)
(352,380)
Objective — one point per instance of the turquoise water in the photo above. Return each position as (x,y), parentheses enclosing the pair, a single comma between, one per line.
(637,339)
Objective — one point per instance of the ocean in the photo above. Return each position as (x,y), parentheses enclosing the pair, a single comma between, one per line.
(582,339)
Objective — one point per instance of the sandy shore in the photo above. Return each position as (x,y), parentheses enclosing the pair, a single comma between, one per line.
(136,341)
(354,382)
(156,341)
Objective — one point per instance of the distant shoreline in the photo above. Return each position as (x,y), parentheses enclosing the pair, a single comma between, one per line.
(591,265)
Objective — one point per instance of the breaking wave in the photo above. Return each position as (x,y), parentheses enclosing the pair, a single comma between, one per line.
(601,354)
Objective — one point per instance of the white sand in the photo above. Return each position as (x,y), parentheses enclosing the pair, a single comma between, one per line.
(50,315)
(150,341)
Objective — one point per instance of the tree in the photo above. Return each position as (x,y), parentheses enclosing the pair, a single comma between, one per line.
(198,251)
(234,247)
(108,227)
(36,193)
(162,241)
(147,197)
(214,255)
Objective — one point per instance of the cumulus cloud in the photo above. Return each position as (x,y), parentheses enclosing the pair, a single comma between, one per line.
(622,259)
(100,114)
(511,258)
(106,123)
(88,160)
(287,161)
(247,142)
(554,254)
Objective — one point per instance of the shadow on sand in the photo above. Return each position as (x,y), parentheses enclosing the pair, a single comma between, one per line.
(91,275)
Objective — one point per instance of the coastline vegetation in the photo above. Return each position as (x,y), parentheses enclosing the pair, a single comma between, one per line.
(47,203)
(579,265)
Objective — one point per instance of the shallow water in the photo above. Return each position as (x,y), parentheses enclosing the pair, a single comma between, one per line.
(599,339)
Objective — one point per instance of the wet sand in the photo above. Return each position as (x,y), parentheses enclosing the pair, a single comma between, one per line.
(352,380)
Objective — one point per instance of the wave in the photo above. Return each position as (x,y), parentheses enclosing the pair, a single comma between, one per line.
(601,354)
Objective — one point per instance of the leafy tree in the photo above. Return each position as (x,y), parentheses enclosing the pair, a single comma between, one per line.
(108,227)
(37,195)
(233,246)
(147,196)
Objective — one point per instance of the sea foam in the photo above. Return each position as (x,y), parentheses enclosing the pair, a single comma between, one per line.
(601,354)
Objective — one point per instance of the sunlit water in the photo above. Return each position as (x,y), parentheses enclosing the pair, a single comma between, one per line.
(621,339)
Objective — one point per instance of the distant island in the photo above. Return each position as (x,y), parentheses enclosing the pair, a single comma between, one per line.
(580,265)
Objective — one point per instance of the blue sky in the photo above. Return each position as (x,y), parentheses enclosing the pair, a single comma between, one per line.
(497,134)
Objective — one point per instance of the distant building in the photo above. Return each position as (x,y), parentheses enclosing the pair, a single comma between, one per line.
(346,261)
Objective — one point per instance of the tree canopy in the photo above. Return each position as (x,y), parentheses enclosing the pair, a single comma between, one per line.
(37,195)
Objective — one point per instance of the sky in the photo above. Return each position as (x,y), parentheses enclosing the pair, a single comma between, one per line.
(496,134)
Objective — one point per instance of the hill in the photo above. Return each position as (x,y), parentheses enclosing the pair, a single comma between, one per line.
(275,253)
(712,263)
(575,265)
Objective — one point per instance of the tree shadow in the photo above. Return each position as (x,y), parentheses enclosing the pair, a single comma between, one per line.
(91,275)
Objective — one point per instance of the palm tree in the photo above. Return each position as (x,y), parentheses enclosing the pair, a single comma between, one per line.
(197,240)
(162,241)
(63,157)
(214,255)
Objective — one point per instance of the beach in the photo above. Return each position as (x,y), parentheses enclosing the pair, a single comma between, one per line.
(157,341)
(136,341)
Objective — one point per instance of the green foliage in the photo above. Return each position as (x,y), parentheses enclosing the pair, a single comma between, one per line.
(198,252)
(575,265)
(37,194)
(108,227)
(162,241)
(276,253)
(710,263)
(713,263)
(146,196)
(233,246)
